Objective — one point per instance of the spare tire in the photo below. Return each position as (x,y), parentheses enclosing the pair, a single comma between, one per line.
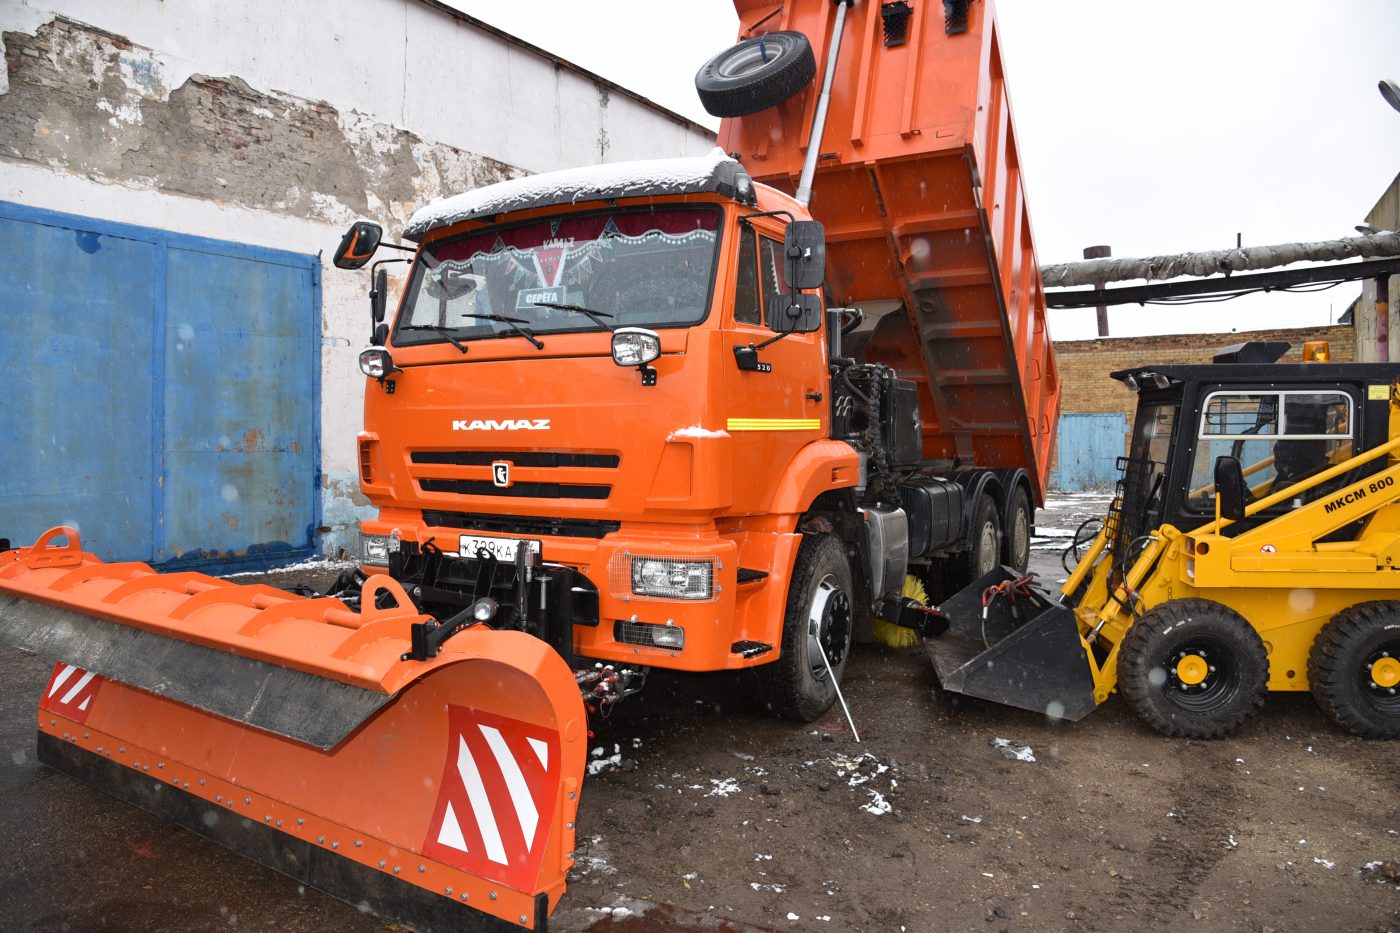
(756,74)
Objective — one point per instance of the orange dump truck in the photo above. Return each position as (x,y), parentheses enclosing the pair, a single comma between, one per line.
(700,414)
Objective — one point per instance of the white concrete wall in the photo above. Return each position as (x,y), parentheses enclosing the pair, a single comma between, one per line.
(401,61)
(480,107)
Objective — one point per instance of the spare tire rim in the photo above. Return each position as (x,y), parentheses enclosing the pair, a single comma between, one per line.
(1380,677)
(828,626)
(1202,674)
(750,58)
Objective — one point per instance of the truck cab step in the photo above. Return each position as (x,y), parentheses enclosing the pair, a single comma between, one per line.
(750,649)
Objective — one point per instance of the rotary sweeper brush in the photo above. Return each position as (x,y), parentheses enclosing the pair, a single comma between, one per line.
(357,752)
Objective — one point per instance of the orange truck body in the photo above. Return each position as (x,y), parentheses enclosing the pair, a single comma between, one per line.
(919,185)
(304,731)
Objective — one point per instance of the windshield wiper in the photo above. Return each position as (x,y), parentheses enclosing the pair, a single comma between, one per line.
(441,330)
(516,324)
(596,316)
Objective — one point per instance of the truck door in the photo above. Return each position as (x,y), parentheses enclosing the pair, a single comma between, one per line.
(770,415)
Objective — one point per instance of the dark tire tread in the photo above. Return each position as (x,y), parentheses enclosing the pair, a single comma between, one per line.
(1136,661)
(791,71)
(783,683)
(1332,668)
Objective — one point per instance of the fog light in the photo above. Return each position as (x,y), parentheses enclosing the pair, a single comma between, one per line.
(374,550)
(632,632)
(668,636)
(672,579)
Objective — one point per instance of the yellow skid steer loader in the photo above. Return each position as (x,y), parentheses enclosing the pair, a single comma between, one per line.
(1289,477)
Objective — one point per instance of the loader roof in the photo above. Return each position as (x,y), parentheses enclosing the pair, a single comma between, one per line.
(1282,373)
(715,173)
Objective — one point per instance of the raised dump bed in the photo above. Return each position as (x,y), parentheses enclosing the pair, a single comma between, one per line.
(919,185)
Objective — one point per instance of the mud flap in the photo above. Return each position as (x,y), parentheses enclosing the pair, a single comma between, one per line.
(1026,653)
(440,793)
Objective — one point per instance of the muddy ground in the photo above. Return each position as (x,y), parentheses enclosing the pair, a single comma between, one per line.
(715,812)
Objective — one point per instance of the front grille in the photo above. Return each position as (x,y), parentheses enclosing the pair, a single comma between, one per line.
(482,487)
(523,458)
(523,525)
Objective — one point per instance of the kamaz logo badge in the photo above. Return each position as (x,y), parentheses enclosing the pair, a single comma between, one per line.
(510,424)
(500,473)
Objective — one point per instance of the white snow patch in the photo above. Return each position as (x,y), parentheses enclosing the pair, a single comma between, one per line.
(316,564)
(1013,751)
(723,787)
(793,916)
(1325,862)
(617,179)
(974,819)
(774,887)
(878,805)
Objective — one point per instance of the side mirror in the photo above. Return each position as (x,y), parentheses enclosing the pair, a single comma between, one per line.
(380,335)
(799,313)
(379,295)
(804,242)
(1229,488)
(358,245)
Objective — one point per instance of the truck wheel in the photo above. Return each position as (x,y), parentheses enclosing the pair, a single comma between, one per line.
(756,74)
(1017,547)
(1193,668)
(819,620)
(984,555)
(1354,669)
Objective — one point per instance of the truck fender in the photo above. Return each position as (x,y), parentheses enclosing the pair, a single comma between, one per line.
(1010,479)
(819,467)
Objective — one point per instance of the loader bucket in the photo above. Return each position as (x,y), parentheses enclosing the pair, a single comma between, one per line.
(440,794)
(1027,653)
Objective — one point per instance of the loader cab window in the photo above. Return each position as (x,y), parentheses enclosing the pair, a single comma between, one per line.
(1279,439)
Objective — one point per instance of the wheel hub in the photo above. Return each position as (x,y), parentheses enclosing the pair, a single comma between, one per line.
(1385,672)
(828,627)
(1192,670)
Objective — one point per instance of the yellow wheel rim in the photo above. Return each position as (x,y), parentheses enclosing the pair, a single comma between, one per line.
(1386,672)
(1192,669)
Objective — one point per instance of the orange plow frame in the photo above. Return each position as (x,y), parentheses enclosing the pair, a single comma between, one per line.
(295,732)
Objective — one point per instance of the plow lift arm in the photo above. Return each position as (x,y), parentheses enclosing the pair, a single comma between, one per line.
(303,735)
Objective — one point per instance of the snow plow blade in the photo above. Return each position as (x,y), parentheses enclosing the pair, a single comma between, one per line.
(441,794)
(1026,653)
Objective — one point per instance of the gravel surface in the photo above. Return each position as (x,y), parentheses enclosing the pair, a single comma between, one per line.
(716,816)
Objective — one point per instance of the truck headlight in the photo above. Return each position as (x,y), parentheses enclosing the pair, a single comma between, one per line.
(376,363)
(635,346)
(374,550)
(673,579)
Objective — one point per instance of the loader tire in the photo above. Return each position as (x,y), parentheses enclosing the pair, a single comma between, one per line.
(1193,668)
(1019,520)
(756,74)
(797,686)
(1354,666)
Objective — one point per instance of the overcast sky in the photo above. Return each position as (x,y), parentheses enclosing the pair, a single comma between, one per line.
(1152,127)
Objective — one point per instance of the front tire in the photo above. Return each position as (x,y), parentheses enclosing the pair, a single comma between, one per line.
(820,618)
(1354,669)
(1193,668)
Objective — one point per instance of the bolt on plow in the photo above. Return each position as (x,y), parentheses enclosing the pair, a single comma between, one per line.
(439,792)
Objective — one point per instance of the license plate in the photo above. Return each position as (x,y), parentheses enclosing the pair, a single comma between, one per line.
(500,548)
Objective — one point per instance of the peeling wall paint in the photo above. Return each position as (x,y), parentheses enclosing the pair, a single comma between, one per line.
(263,123)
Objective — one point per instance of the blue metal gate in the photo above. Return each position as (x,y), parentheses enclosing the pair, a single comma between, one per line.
(161,392)
(1088,447)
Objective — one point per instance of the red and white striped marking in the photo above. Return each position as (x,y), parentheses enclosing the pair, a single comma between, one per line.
(498,792)
(70,692)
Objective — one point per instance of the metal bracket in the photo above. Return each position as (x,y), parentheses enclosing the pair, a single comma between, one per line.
(748,361)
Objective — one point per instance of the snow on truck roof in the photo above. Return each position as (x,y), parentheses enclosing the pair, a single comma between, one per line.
(715,172)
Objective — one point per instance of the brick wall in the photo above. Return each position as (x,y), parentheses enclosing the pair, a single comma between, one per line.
(1084,365)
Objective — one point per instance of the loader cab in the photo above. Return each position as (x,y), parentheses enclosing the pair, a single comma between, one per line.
(1282,421)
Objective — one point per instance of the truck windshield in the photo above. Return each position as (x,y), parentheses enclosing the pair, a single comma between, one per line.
(645,268)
